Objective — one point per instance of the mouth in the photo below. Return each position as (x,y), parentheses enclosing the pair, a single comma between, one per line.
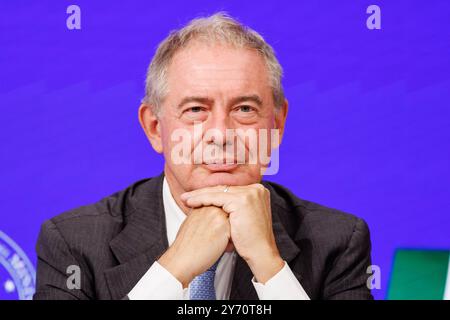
(220,166)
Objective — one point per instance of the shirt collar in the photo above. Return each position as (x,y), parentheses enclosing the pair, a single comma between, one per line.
(174,215)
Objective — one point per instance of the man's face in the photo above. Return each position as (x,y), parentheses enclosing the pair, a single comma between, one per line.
(216,87)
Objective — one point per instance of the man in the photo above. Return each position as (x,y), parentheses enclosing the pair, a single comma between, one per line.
(208,228)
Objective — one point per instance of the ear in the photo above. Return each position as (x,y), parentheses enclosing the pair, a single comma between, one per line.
(280,118)
(151,125)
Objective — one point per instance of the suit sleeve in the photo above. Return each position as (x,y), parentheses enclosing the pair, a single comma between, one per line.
(347,279)
(54,257)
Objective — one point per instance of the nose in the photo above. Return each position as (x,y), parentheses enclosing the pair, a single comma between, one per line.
(216,128)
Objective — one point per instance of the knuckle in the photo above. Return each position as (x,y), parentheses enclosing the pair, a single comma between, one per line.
(215,210)
(259,186)
(219,223)
(247,197)
(217,214)
(261,189)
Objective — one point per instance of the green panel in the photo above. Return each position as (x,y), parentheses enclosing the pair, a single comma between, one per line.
(419,274)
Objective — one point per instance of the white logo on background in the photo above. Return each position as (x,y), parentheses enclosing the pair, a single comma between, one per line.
(18,282)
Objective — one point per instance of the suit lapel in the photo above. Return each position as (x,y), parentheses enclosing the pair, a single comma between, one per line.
(142,240)
(242,288)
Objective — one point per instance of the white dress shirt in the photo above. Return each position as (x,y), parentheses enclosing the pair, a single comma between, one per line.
(159,284)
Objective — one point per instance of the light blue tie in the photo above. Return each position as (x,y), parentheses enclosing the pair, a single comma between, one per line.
(202,287)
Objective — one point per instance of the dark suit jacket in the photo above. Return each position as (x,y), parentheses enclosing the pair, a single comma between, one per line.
(116,240)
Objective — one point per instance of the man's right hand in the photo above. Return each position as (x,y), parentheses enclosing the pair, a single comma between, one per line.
(201,240)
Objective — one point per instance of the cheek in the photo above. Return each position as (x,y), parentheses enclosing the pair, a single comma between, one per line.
(264,125)
(264,130)
(172,133)
(177,141)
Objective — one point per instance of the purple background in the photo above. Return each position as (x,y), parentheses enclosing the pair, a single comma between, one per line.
(368,130)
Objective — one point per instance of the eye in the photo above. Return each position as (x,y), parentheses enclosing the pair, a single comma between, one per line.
(195,113)
(195,109)
(246,108)
(245,113)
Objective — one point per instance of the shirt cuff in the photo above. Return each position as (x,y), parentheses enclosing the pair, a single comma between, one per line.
(158,284)
(282,286)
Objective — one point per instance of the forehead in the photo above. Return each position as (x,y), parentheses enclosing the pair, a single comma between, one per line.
(217,69)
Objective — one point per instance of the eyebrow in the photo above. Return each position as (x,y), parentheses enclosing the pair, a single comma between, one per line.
(202,100)
(253,97)
(209,101)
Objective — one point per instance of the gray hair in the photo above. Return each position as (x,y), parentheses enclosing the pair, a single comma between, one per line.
(219,27)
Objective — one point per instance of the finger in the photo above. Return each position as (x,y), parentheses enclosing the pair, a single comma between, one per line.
(219,188)
(223,200)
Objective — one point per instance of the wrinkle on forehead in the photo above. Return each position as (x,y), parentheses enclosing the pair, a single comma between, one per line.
(212,67)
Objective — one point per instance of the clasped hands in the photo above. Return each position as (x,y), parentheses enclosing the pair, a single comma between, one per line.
(241,216)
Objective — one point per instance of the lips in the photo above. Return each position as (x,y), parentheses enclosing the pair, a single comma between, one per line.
(219,161)
(220,167)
